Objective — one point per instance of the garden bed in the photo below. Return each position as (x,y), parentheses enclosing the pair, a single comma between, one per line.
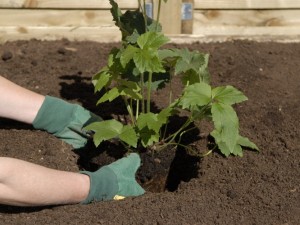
(259,188)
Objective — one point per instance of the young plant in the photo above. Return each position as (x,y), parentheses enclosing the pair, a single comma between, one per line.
(141,66)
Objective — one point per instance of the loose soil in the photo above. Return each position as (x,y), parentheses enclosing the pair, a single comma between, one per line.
(259,188)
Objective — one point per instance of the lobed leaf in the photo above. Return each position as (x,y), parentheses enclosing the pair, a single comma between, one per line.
(125,88)
(226,132)
(147,60)
(148,137)
(152,40)
(129,136)
(243,141)
(128,54)
(149,120)
(149,125)
(198,94)
(105,130)
(226,124)
(228,95)
(109,129)
(101,80)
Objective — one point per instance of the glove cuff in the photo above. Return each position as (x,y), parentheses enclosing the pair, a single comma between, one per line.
(47,117)
(103,185)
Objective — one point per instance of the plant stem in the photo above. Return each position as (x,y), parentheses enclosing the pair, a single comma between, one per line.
(142,92)
(170,102)
(145,16)
(129,109)
(174,135)
(158,14)
(149,92)
(137,109)
(170,143)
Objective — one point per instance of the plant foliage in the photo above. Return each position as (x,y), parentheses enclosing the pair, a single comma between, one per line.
(140,66)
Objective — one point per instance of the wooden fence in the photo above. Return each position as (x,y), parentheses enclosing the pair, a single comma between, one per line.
(197,20)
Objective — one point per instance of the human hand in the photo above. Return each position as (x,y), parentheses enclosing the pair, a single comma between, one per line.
(115,181)
(65,121)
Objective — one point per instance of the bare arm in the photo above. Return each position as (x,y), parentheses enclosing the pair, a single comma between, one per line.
(17,102)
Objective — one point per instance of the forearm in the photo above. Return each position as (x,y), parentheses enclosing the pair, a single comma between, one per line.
(17,102)
(26,184)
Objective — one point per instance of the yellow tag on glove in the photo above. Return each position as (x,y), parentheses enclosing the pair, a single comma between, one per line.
(118,197)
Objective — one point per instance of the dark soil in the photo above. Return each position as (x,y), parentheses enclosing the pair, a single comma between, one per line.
(259,188)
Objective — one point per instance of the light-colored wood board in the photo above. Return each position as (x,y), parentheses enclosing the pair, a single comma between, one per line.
(199,4)
(192,38)
(110,34)
(247,18)
(99,34)
(246,4)
(246,22)
(28,17)
(72,4)
(170,16)
(246,31)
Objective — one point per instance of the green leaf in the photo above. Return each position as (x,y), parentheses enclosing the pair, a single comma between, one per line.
(109,129)
(149,126)
(149,120)
(159,80)
(226,124)
(228,95)
(198,94)
(128,54)
(146,60)
(116,12)
(190,60)
(223,147)
(129,136)
(109,96)
(132,39)
(226,132)
(105,130)
(148,137)
(164,114)
(152,40)
(101,79)
(243,141)
(238,150)
(190,77)
(146,56)
(166,53)
(201,112)
(125,88)
(153,25)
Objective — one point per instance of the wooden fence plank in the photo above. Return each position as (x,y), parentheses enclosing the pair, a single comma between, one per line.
(111,34)
(191,38)
(246,32)
(199,4)
(71,4)
(99,34)
(246,22)
(28,17)
(246,4)
(259,18)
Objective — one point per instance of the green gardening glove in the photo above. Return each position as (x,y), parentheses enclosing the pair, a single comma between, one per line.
(115,181)
(65,121)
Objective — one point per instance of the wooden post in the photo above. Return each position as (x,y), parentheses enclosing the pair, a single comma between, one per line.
(187,16)
(170,15)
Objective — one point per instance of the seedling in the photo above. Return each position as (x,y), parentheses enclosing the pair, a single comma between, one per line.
(141,66)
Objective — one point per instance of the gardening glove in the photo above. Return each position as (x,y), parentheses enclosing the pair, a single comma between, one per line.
(65,121)
(115,181)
